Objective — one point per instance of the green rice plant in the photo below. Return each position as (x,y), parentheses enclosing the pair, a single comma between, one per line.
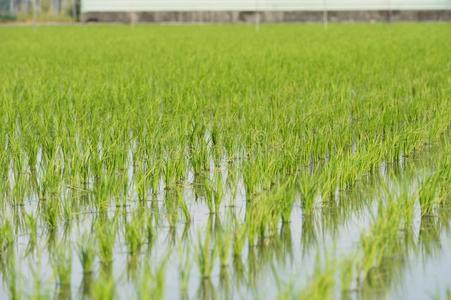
(209,195)
(308,189)
(434,190)
(288,194)
(50,213)
(218,191)
(428,195)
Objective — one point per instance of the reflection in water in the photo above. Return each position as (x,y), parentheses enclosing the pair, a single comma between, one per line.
(137,240)
(86,285)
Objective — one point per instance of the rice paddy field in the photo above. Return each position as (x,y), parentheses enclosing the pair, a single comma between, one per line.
(217,162)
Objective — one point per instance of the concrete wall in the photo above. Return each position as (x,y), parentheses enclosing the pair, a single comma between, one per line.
(260,5)
(268,16)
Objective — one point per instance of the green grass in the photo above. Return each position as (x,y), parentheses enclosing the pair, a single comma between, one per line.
(128,152)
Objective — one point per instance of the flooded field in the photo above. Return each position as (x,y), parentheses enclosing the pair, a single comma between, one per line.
(215,162)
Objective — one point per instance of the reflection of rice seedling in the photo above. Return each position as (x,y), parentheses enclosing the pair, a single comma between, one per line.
(106,236)
(7,240)
(152,282)
(62,264)
(322,283)
(206,253)
(86,253)
(185,270)
(134,234)
(224,242)
(239,241)
(103,288)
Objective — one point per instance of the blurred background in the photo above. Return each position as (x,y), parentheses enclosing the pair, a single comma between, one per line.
(40,10)
(223,11)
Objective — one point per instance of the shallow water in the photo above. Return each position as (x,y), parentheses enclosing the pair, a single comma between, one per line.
(284,261)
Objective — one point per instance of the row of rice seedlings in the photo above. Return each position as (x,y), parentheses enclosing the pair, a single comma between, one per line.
(434,190)
(386,247)
(383,248)
(250,185)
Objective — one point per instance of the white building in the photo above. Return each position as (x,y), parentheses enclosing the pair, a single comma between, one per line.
(252,5)
(196,7)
